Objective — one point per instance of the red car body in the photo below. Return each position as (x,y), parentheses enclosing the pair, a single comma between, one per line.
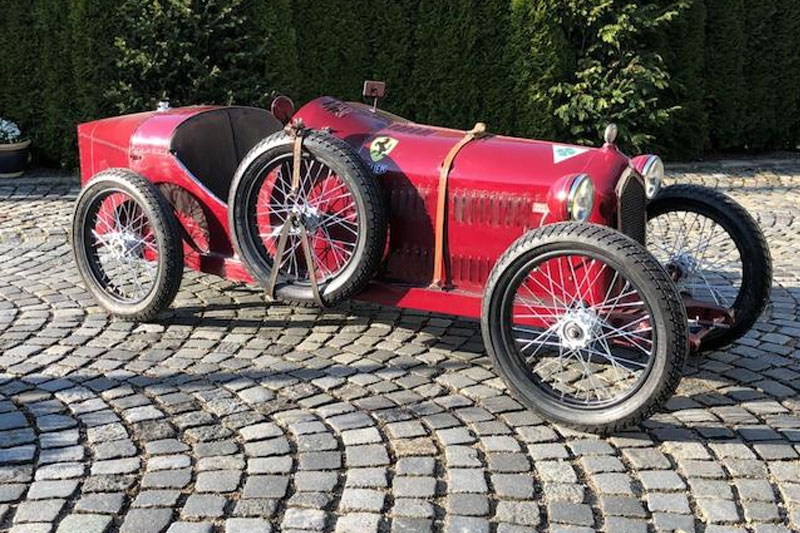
(499,187)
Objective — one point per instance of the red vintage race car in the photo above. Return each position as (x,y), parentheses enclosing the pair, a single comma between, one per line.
(591,281)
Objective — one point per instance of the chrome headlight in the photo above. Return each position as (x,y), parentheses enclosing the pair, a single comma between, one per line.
(580,200)
(653,174)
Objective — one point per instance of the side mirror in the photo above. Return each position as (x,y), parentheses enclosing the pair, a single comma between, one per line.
(375,90)
(282,108)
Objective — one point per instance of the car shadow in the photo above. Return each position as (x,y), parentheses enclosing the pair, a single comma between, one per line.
(697,413)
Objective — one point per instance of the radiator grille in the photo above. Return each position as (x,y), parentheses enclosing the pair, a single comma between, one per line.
(632,211)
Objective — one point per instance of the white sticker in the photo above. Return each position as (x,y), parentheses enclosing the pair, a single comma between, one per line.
(562,153)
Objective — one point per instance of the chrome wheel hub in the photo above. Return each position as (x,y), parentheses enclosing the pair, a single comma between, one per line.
(578,328)
(685,263)
(124,244)
(307,215)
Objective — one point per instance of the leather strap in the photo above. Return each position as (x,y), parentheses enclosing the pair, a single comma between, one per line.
(298,131)
(439,274)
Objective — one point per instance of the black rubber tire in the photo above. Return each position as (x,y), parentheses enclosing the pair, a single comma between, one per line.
(749,240)
(340,157)
(170,265)
(660,294)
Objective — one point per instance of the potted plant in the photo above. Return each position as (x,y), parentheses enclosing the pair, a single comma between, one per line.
(14,156)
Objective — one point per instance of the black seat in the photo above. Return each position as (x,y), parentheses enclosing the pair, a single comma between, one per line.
(213,143)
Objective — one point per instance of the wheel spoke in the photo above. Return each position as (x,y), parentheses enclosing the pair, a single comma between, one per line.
(592,342)
(701,251)
(324,204)
(123,251)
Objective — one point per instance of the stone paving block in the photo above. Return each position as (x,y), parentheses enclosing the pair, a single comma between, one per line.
(247,525)
(146,521)
(156,498)
(459,524)
(411,525)
(413,508)
(362,500)
(265,487)
(522,513)
(190,527)
(38,511)
(217,481)
(303,519)
(39,527)
(466,480)
(570,513)
(715,510)
(467,504)
(514,486)
(43,490)
(84,523)
(203,506)
(414,487)
(101,503)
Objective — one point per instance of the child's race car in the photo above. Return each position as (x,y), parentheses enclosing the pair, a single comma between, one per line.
(592,283)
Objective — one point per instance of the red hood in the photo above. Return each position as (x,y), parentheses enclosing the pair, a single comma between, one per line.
(516,166)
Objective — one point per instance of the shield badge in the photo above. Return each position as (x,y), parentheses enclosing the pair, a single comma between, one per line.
(382,147)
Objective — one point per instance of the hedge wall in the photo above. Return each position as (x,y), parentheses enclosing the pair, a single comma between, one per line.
(685,77)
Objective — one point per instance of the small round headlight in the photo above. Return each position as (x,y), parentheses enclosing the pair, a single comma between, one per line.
(580,200)
(653,174)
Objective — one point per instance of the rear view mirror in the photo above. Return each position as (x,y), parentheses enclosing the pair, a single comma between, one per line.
(283,108)
(375,90)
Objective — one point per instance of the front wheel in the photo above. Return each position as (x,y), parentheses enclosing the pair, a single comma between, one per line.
(716,253)
(585,327)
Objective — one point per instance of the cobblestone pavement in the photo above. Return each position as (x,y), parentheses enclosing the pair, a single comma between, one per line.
(229,416)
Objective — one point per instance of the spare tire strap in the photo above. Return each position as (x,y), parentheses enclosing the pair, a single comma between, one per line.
(298,131)
(439,274)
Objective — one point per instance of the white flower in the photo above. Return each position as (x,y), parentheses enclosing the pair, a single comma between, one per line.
(9,132)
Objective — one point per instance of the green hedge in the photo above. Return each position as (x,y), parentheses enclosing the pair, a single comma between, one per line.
(685,77)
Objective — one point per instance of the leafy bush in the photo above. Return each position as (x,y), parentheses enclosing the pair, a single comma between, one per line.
(682,46)
(680,76)
(726,54)
(618,77)
(541,57)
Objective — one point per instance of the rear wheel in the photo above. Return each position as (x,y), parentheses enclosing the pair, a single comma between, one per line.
(127,245)
(715,252)
(585,326)
(338,206)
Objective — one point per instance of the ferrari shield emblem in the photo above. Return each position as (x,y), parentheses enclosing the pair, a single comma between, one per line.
(382,147)
(562,153)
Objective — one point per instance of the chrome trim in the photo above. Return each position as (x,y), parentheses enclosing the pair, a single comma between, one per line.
(573,190)
(651,160)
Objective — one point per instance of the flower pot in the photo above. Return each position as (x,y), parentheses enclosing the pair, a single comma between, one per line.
(14,159)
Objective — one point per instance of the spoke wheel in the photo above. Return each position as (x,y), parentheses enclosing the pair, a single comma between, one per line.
(584,347)
(127,245)
(700,255)
(585,326)
(123,252)
(337,206)
(715,253)
(325,206)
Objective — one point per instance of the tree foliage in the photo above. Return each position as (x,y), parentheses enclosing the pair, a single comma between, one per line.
(679,76)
